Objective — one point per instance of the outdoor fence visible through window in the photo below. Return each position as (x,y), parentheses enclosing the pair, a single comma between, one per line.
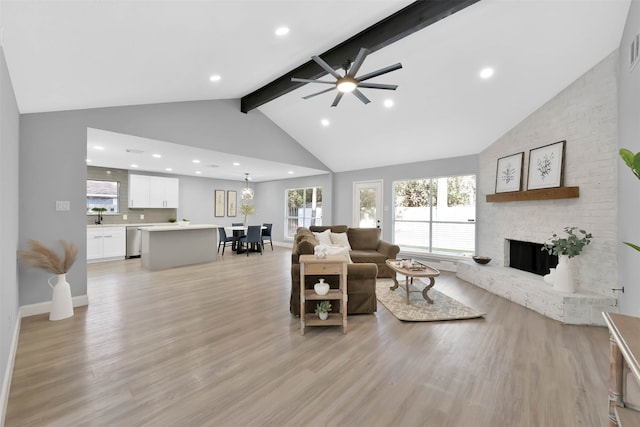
(435,215)
(303,209)
(102,194)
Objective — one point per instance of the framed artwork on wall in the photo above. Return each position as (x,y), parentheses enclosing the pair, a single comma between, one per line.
(509,173)
(219,203)
(546,166)
(231,202)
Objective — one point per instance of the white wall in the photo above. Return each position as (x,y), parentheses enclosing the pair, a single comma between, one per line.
(628,184)
(585,115)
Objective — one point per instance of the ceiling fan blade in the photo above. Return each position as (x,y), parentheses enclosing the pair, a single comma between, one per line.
(326,67)
(361,96)
(337,99)
(318,93)
(380,72)
(358,62)
(377,86)
(297,80)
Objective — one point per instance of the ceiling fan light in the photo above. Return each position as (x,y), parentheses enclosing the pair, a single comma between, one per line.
(346,84)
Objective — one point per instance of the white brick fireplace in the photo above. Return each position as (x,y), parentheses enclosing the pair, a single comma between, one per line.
(585,115)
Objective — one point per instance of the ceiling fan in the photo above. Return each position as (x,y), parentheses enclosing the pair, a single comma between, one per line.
(349,82)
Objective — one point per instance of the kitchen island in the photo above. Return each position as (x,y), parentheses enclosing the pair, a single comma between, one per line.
(173,246)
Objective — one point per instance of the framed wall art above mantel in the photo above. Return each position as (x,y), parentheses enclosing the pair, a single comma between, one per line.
(509,173)
(546,166)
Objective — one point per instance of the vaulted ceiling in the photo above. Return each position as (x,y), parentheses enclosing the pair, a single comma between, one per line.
(65,55)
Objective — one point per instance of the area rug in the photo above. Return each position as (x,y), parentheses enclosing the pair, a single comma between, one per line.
(443,308)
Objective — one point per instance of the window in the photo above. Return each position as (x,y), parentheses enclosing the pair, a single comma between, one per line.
(304,208)
(435,215)
(103,194)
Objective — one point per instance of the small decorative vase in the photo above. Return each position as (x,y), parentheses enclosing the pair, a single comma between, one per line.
(61,303)
(548,278)
(321,288)
(564,279)
(323,315)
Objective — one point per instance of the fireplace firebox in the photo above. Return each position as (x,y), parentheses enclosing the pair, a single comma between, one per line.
(529,256)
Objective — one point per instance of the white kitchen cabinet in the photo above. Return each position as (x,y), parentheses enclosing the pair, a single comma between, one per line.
(106,243)
(139,191)
(153,192)
(94,243)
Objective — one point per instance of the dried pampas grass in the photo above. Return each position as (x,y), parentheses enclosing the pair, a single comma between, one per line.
(42,257)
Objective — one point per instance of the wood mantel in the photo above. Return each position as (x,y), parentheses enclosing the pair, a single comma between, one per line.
(543,194)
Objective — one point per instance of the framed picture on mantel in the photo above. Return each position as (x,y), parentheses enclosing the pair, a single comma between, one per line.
(509,173)
(219,203)
(546,166)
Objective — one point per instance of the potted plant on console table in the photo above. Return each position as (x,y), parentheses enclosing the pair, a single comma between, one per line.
(566,248)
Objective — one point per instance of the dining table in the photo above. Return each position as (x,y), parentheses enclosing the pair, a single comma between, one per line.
(237,231)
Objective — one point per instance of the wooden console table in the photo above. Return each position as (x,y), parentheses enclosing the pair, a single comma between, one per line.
(331,265)
(624,370)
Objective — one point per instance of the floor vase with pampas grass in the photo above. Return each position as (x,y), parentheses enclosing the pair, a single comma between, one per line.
(42,257)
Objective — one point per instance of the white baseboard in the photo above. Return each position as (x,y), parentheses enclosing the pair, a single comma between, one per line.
(8,373)
(45,307)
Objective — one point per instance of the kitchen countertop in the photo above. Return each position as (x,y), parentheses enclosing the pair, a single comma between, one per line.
(149,224)
(178,227)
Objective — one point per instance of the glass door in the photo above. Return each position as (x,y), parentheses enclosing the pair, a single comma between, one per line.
(367,204)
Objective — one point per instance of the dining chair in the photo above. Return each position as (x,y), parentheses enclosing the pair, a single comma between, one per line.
(238,233)
(253,237)
(266,234)
(224,240)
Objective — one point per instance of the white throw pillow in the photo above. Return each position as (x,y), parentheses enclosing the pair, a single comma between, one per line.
(339,250)
(323,238)
(340,239)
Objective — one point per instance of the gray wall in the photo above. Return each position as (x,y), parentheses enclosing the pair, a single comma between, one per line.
(9,139)
(343,184)
(628,184)
(53,167)
(270,201)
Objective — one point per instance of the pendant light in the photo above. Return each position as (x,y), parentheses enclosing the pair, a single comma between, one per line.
(246,192)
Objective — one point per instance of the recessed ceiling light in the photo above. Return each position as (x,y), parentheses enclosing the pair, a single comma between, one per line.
(88,160)
(215,77)
(388,103)
(290,172)
(486,73)
(98,147)
(157,156)
(168,169)
(198,172)
(134,166)
(195,161)
(236,164)
(282,31)
(324,122)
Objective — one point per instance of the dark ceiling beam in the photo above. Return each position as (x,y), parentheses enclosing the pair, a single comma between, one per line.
(412,18)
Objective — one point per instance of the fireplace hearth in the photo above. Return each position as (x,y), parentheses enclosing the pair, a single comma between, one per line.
(529,256)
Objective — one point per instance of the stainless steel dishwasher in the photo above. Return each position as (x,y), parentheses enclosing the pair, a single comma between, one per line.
(134,242)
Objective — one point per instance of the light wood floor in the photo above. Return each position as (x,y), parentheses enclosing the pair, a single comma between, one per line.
(215,345)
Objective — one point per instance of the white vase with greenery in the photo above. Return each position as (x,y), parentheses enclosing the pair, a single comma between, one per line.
(566,248)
